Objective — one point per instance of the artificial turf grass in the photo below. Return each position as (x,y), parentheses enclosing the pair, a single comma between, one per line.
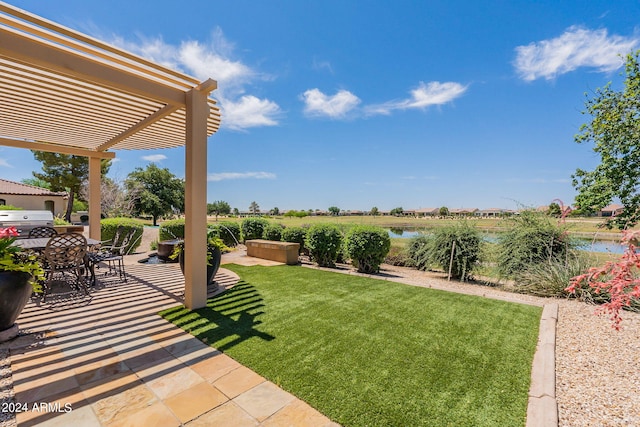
(371,352)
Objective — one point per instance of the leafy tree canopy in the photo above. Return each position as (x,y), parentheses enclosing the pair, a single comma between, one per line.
(155,191)
(64,172)
(615,131)
(219,207)
(334,210)
(396,211)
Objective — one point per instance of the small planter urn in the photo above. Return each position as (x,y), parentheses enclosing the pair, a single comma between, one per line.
(15,290)
(214,257)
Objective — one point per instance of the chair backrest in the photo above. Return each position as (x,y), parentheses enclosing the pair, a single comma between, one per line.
(66,251)
(41,232)
(120,246)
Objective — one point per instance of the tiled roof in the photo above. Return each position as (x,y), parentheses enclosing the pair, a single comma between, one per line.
(10,187)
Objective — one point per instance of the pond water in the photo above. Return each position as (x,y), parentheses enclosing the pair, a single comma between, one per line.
(607,246)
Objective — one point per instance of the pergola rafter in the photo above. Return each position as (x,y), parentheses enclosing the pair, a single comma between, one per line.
(65,92)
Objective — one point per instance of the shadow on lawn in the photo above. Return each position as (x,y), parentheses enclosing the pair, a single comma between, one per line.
(228,319)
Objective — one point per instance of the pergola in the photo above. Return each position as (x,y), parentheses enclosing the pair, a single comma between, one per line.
(65,92)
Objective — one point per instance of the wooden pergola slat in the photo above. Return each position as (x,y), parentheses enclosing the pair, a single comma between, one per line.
(65,92)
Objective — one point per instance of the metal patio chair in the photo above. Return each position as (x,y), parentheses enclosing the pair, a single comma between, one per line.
(112,252)
(65,261)
(41,232)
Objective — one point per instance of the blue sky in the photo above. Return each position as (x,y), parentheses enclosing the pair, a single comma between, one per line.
(358,104)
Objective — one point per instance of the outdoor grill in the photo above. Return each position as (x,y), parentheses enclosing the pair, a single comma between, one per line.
(25,221)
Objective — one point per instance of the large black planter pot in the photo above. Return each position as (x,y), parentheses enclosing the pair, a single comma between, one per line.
(216,257)
(15,291)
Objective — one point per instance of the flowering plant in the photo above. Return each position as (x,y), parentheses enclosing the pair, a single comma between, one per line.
(620,279)
(13,258)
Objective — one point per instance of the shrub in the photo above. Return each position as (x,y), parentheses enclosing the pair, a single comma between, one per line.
(108,227)
(418,251)
(171,229)
(324,242)
(273,232)
(434,250)
(367,246)
(467,251)
(398,256)
(295,235)
(532,238)
(253,228)
(551,278)
(228,231)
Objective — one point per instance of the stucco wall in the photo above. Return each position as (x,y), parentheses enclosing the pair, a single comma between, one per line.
(36,202)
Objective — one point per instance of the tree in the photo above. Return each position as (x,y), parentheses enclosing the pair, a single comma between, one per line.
(115,200)
(254,208)
(36,182)
(68,173)
(554,210)
(444,211)
(274,211)
(158,192)
(396,211)
(219,207)
(334,210)
(615,131)
(374,211)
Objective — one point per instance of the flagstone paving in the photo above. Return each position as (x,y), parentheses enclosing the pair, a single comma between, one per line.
(109,360)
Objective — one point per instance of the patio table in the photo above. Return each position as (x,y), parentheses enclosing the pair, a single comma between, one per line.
(40,243)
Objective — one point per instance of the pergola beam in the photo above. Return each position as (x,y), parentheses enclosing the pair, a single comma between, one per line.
(55,148)
(56,58)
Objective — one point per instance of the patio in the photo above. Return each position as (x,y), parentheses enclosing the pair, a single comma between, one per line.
(110,360)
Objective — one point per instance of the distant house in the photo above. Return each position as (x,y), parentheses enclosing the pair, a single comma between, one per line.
(463,211)
(611,210)
(490,213)
(30,197)
(427,212)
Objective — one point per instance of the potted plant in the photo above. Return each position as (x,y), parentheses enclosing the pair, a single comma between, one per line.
(215,249)
(19,275)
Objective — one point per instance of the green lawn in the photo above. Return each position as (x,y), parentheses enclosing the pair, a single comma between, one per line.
(368,352)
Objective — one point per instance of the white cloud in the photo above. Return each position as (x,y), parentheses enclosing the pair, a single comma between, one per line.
(5,163)
(222,176)
(213,60)
(249,111)
(154,157)
(576,47)
(336,106)
(425,95)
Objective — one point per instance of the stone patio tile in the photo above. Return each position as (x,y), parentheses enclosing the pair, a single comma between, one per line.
(264,400)
(215,367)
(156,415)
(228,414)
(195,401)
(103,369)
(238,381)
(298,414)
(110,386)
(124,404)
(40,414)
(194,356)
(84,417)
(172,381)
(39,389)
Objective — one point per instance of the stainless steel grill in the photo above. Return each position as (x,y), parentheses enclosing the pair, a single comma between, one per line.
(24,221)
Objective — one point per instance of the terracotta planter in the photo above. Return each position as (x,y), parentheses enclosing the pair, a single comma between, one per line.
(215,258)
(15,291)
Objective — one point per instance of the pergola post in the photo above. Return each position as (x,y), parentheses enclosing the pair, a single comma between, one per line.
(94,197)
(195,242)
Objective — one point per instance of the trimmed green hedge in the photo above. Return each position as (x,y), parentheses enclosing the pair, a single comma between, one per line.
(367,246)
(324,241)
(228,231)
(253,228)
(295,235)
(171,229)
(108,227)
